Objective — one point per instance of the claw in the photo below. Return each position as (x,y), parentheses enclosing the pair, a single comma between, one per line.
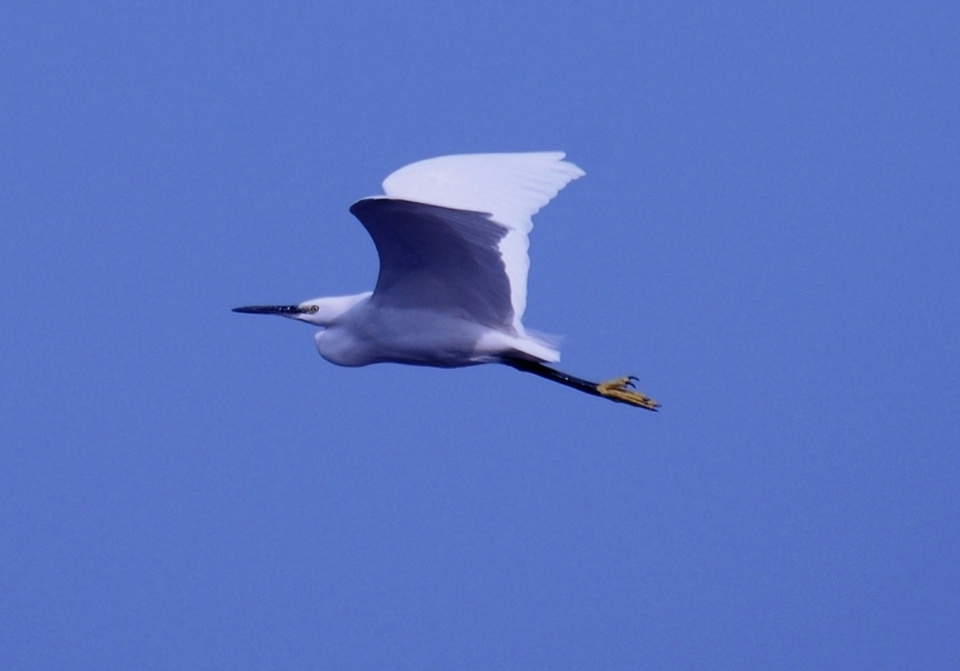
(621,390)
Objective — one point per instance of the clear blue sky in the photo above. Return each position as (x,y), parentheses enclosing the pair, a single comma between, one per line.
(768,235)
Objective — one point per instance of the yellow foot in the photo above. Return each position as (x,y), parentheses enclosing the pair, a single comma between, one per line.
(622,390)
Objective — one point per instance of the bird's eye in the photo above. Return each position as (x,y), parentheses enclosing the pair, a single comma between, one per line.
(313,308)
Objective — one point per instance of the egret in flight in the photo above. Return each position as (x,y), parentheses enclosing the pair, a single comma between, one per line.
(451,233)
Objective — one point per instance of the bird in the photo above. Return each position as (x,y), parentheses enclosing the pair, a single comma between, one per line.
(451,233)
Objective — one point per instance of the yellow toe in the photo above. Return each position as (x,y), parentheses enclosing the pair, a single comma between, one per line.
(621,390)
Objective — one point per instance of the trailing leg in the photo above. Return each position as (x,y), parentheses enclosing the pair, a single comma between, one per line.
(621,389)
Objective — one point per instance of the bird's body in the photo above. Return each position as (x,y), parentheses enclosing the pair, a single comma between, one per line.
(451,233)
(365,335)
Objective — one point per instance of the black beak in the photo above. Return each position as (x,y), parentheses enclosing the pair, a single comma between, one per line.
(283,310)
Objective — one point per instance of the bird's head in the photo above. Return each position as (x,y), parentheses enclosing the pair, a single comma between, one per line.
(319,311)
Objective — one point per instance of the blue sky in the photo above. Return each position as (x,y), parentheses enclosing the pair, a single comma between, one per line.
(767,235)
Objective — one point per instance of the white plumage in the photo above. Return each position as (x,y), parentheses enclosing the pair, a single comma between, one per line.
(452,236)
(510,187)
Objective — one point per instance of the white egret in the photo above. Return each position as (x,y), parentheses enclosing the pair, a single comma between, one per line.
(451,233)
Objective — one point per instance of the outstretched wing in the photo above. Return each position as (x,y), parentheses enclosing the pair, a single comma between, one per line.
(438,258)
(452,233)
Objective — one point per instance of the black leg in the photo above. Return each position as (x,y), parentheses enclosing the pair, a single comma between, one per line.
(620,390)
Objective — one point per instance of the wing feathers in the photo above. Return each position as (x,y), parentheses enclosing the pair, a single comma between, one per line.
(438,259)
(509,187)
